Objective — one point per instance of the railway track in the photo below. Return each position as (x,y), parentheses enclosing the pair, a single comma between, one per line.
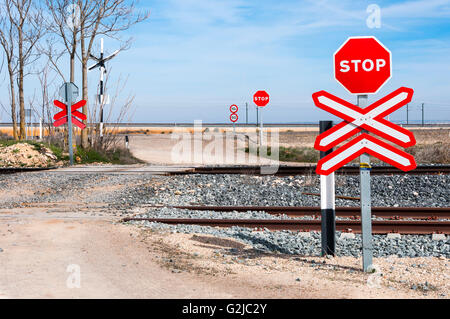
(378,227)
(15,170)
(348,212)
(235,170)
(306,170)
(427,220)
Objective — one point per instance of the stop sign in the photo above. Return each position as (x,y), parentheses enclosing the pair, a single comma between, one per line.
(362,65)
(261,98)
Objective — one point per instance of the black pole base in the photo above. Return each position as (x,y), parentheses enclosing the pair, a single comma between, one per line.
(328,232)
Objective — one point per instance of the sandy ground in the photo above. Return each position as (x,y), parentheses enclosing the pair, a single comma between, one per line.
(113,262)
(48,253)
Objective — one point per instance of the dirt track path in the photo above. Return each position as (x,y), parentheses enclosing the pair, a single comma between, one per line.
(157,150)
(113,263)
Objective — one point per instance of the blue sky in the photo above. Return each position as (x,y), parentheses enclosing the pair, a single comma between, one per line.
(194,58)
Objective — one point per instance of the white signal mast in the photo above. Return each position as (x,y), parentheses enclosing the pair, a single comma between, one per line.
(101,65)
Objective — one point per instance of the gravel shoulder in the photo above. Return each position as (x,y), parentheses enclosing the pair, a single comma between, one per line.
(272,275)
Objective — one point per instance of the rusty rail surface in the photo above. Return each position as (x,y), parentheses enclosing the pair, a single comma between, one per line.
(305,170)
(378,227)
(433,213)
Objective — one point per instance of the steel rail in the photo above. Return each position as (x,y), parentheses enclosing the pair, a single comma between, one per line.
(378,227)
(350,212)
(305,170)
(255,170)
(15,170)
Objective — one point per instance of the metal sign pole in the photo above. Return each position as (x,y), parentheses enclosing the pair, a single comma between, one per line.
(366,202)
(423,114)
(69,102)
(101,100)
(328,203)
(261,129)
(407,113)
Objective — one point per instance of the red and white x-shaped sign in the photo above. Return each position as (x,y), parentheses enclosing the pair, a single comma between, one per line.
(61,118)
(370,119)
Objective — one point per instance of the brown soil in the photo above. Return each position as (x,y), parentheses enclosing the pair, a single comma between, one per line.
(25,155)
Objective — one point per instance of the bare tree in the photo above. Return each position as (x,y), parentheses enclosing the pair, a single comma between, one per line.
(119,112)
(46,80)
(79,23)
(108,18)
(21,30)
(7,36)
(63,25)
(63,22)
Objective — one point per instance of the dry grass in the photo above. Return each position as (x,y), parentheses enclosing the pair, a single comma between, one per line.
(432,147)
(438,153)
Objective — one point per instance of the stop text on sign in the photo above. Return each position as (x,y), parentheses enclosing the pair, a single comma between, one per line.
(366,65)
(261,98)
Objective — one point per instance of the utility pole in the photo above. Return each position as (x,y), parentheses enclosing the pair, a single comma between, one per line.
(246,113)
(423,114)
(407,114)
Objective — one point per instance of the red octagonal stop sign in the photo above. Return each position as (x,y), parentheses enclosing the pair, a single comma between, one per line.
(362,65)
(261,98)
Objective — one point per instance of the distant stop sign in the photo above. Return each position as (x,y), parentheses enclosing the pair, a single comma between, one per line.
(261,98)
(362,65)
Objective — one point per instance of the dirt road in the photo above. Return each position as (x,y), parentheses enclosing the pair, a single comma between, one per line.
(81,256)
(41,254)
(194,150)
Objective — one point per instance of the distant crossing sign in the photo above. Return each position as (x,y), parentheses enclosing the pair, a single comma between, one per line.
(62,117)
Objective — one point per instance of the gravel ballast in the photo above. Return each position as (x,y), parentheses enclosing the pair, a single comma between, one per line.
(124,193)
(288,242)
(225,190)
